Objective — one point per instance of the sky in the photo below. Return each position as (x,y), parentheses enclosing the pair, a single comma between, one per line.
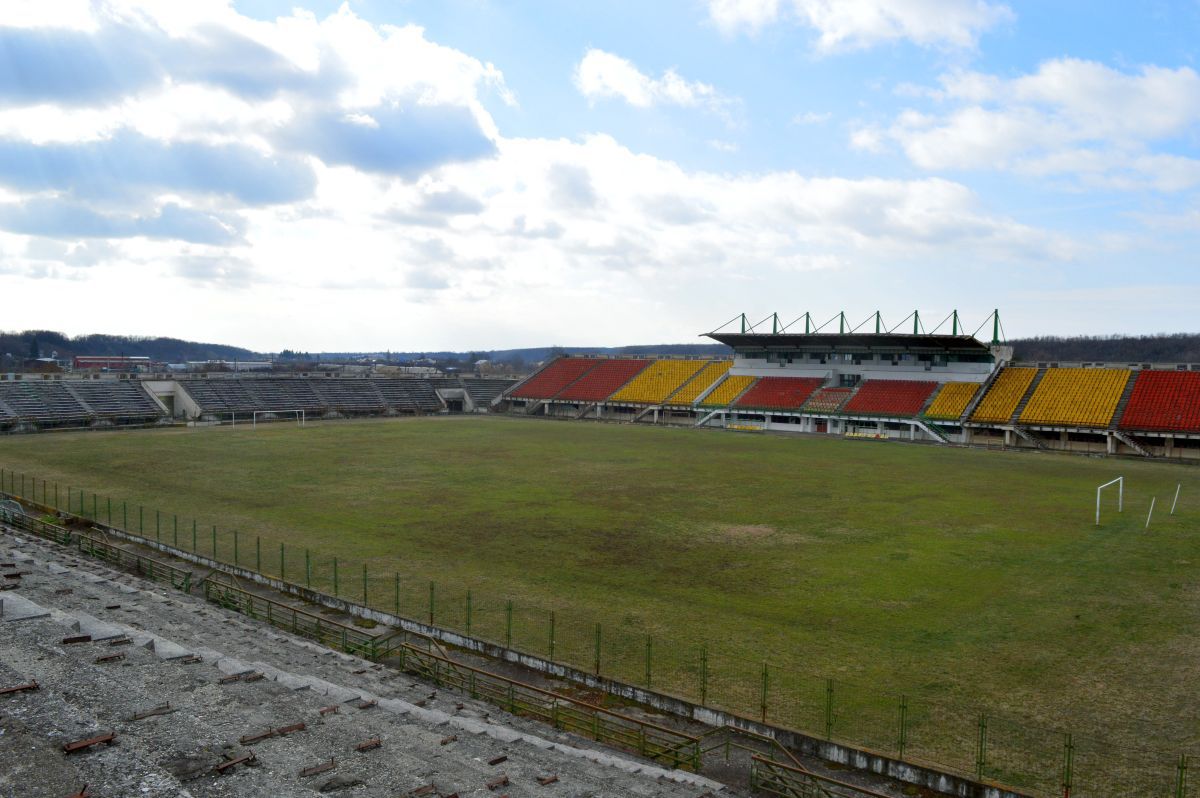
(475,174)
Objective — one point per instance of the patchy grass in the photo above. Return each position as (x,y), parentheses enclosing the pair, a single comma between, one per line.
(964,579)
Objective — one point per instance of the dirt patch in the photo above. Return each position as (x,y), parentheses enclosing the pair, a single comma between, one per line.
(744,533)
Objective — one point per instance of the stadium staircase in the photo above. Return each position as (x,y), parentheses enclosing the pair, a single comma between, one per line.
(1025,434)
(1130,441)
(75,395)
(1119,413)
(1029,392)
(979,394)
(704,419)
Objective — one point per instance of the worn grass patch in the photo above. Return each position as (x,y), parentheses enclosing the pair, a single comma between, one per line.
(965,579)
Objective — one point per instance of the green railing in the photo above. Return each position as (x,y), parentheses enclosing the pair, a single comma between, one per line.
(658,743)
(777,778)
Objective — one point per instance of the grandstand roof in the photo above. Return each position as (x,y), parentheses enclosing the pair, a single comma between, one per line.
(857,342)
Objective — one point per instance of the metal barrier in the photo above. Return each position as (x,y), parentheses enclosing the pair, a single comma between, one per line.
(776,778)
(297,621)
(673,748)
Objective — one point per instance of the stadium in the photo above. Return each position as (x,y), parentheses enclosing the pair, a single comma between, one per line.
(795,607)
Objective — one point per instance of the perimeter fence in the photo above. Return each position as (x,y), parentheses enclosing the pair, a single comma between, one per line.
(991,747)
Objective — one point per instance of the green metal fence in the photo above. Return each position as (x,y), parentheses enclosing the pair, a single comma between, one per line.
(990,747)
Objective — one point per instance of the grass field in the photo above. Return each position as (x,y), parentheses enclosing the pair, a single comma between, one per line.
(966,580)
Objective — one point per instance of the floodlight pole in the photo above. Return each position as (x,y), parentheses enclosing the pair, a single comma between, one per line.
(954,323)
(916,322)
(996,327)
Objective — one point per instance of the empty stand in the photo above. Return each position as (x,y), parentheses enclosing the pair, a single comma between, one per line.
(603,380)
(828,400)
(890,397)
(779,393)
(55,402)
(1164,401)
(484,390)
(409,395)
(548,382)
(658,381)
(220,395)
(693,388)
(952,400)
(1001,400)
(1076,397)
(727,391)
(350,397)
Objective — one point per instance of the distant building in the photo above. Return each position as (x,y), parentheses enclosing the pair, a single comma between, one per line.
(111,363)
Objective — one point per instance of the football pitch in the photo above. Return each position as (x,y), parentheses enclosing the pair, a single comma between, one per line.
(964,581)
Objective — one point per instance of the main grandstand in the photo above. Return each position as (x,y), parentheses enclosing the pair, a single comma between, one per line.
(946,387)
(941,387)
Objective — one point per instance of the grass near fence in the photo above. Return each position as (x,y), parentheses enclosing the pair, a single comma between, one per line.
(900,596)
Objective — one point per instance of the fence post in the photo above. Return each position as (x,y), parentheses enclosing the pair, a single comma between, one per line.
(597,649)
(704,675)
(508,624)
(903,725)
(649,659)
(468,611)
(397,580)
(829,709)
(763,700)
(307,569)
(365,602)
(981,747)
(551,636)
(1068,761)
(335,578)
(1181,778)
(432,601)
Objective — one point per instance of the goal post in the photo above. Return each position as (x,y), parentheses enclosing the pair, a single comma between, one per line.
(299,415)
(1120,483)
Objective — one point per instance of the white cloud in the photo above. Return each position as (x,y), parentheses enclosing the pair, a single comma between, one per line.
(603,75)
(538,235)
(1070,117)
(855,24)
(812,118)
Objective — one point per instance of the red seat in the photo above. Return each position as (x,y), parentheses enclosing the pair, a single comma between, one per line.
(1164,401)
(779,393)
(890,397)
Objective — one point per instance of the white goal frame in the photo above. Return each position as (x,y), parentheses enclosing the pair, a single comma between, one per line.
(299,414)
(1120,483)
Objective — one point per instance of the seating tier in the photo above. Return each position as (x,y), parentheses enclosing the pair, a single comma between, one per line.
(1076,397)
(603,381)
(658,381)
(1005,393)
(548,382)
(691,390)
(952,400)
(828,400)
(1164,401)
(779,393)
(727,391)
(890,397)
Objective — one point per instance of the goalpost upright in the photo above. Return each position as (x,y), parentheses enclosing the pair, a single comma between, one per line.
(299,414)
(1120,483)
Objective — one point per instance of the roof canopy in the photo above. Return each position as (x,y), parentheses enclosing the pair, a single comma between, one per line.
(852,342)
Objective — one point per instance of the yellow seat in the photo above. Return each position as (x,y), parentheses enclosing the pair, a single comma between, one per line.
(658,381)
(952,400)
(727,391)
(1075,397)
(1001,400)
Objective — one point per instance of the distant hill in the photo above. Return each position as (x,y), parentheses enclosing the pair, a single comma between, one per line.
(44,343)
(1162,348)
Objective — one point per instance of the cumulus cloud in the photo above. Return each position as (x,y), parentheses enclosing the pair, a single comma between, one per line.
(53,218)
(603,75)
(1070,117)
(856,24)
